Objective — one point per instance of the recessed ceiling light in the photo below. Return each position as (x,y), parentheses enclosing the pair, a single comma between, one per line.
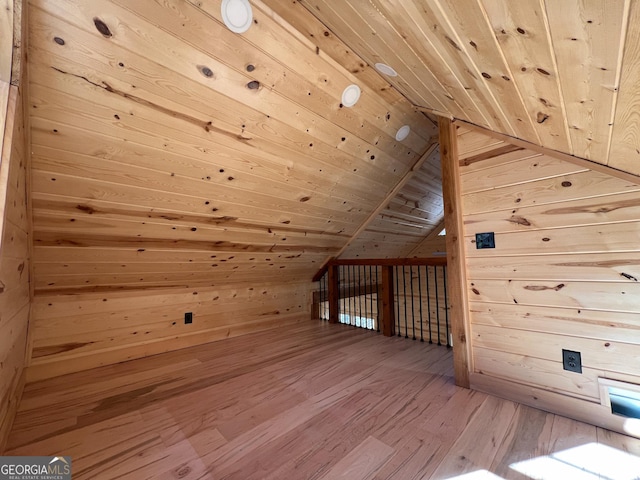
(350,95)
(403,132)
(386,69)
(237,15)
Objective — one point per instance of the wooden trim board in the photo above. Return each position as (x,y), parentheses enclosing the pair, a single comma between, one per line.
(582,162)
(457,284)
(585,411)
(433,261)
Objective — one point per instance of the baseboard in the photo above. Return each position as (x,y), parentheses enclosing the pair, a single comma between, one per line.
(578,409)
(12,409)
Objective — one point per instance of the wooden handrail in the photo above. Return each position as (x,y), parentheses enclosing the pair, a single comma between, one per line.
(432,261)
(384,262)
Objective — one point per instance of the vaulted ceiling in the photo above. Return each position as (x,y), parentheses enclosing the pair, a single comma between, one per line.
(171,151)
(559,73)
(167,147)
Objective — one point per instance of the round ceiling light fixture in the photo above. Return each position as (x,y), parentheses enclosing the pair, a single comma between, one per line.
(237,15)
(351,95)
(403,132)
(386,69)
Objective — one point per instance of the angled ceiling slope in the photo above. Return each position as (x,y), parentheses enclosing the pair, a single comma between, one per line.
(409,215)
(170,151)
(560,74)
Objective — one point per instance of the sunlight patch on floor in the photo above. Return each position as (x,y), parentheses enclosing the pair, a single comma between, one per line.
(591,461)
(478,475)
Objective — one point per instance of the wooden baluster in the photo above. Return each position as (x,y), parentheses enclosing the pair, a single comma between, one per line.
(387,301)
(334,294)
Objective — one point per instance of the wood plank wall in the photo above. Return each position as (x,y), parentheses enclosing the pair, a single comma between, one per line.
(6,54)
(15,227)
(14,264)
(564,275)
(77,332)
(163,184)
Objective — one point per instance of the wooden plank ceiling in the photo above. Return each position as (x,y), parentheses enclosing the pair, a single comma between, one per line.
(170,151)
(412,214)
(562,74)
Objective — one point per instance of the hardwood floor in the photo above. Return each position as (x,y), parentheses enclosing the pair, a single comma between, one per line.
(317,401)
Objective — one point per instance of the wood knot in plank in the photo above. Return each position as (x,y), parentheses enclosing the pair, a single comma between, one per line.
(204,70)
(453,43)
(223,219)
(629,277)
(519,220)
(540,288)
(102,27)
(541,117)
(184,471)
(86,209)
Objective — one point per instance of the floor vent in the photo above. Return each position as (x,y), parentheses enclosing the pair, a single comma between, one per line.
(623,398)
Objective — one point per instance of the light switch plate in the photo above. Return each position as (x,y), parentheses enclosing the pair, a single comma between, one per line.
(485,240)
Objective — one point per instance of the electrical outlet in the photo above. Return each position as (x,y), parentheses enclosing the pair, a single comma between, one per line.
(571,361)
(485,240)
(188,318)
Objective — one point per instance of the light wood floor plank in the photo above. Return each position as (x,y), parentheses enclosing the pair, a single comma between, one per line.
(361,462)
(315,401)
(529,436)
(478,444)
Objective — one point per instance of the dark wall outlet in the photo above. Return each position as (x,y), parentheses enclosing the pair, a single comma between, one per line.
(188,318)
(571,361)
(485,240)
